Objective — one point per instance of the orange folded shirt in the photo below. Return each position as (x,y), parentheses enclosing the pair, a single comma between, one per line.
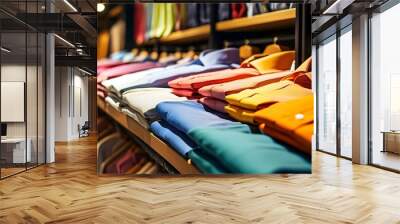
(243,105)
(291,122)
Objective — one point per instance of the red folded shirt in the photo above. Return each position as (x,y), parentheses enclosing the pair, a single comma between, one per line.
(185,92)
(195,82)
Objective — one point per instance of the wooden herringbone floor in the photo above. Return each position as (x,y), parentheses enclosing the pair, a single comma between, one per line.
(70,192)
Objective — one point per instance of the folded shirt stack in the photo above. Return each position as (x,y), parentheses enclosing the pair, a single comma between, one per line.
(220,91)
(125,69)
(140,104)
(209,60)
(178,118)
(202,137)
(244,104)
(291,122)
(203,83)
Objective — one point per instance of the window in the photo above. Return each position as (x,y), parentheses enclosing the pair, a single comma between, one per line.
(326,59)
(385,89)
(345,59)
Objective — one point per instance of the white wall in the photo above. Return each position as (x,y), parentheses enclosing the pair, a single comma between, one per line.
(33,127)
(71,102)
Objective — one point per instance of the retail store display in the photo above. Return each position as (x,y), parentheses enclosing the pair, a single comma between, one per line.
(205,110)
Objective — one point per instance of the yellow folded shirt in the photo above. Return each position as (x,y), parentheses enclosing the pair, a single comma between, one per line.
(276,62)
(240,114)
(236,98)
(265,96)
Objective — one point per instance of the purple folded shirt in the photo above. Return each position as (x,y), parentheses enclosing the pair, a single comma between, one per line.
(125,69)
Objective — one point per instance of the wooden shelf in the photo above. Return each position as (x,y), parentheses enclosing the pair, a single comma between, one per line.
(188,35)
(170,155)
(266,21)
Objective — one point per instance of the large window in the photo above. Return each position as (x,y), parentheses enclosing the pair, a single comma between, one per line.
(326,64)
(334,84)
(385,89)
(345,95)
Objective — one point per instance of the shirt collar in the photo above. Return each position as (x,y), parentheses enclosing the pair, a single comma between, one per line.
(227,56)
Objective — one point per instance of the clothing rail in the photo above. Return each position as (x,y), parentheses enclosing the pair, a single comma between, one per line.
(259,41)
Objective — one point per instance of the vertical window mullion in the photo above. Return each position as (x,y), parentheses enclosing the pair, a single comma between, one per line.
(338,99)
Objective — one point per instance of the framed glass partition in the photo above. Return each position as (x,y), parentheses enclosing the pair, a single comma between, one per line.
(22,78)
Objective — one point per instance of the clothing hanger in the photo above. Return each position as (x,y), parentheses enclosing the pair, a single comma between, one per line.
(135,52)
(246,51)
(178,53)
(191,53)
(274,47)
(142,55)
(163,55)
(154,54)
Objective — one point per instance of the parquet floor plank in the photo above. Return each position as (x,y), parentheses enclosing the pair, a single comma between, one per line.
(69,191)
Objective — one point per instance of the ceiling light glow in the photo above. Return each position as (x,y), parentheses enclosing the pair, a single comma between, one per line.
(100,7)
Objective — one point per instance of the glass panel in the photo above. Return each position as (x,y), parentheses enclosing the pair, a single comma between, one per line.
(41,99)
(385,84)
(13,87)
(31,100)
(346,94)
(327,96)
(32,88)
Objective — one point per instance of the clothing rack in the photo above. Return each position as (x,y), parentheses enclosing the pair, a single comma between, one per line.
(217,32)
(260,41)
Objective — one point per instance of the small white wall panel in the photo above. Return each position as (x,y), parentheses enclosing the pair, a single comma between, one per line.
(12,101)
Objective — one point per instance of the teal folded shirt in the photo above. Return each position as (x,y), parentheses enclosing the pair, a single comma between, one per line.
(205,163)
(248,153)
